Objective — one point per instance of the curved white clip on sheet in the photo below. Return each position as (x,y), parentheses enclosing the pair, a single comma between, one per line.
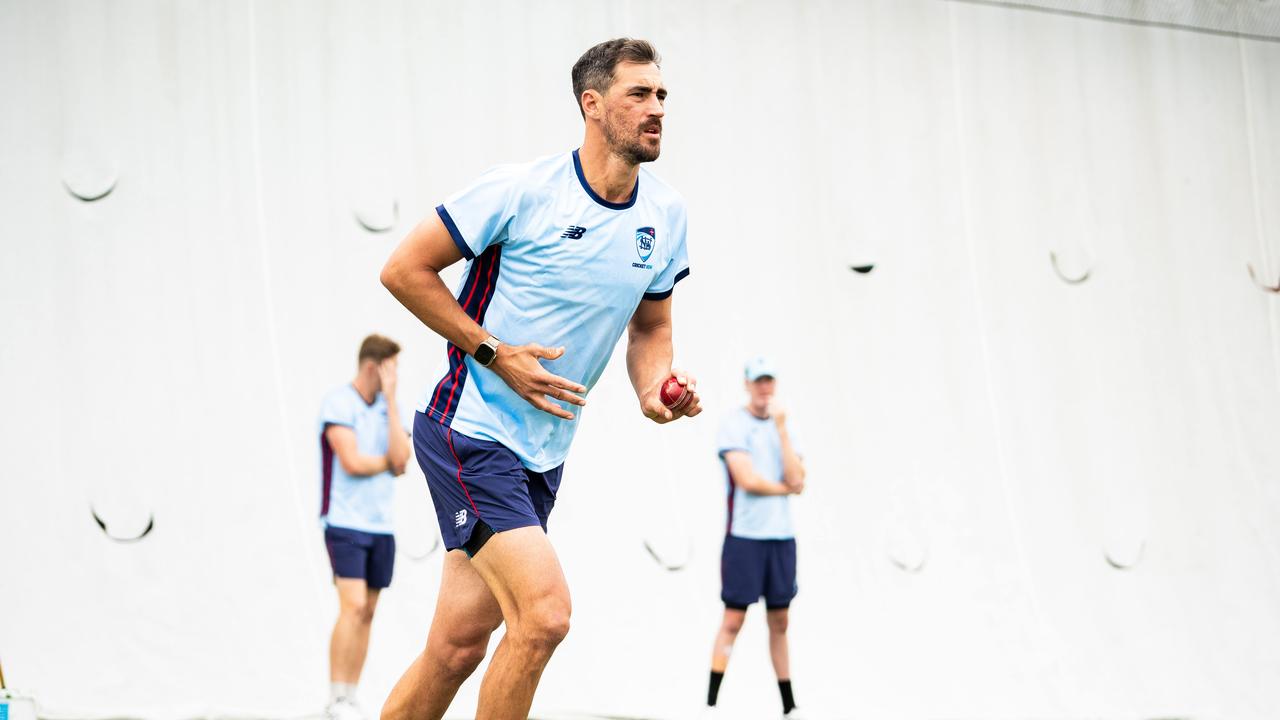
(669,566)
(1253,275)
(910,565)
(1125,563)
(375,222)
(419,557)
(86,190)
(151,524)
(1057,269)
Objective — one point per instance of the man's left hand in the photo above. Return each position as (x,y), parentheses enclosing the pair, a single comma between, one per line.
(653,408)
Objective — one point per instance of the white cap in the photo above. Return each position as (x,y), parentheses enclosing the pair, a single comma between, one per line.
(760,366)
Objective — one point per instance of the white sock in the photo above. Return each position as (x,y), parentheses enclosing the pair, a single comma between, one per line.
(341,691)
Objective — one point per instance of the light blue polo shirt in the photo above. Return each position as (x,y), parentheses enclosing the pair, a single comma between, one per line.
(551,262)
(758,517)
(358,503)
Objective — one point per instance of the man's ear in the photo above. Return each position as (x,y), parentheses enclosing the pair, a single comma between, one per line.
(592,103)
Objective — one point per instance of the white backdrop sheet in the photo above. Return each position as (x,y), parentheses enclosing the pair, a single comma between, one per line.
(968,415)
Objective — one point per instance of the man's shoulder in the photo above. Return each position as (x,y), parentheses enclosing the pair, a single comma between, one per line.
(733,420)
(337,405)
(531,173)
(528,181)
(339,394)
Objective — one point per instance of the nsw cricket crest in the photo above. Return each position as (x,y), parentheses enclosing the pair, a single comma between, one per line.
(645,239)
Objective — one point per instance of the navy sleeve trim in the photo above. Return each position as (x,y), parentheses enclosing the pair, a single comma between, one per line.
(455,233)
(667,293)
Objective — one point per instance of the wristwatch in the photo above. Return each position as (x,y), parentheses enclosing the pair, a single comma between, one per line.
(487,351)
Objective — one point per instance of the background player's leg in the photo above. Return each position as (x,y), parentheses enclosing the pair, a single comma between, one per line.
(466,615)
(778,652)
(350,640)
(522,570)
(725,637)
(778,643)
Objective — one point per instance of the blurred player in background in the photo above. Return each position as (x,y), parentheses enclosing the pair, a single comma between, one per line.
(363,446)
(762,470)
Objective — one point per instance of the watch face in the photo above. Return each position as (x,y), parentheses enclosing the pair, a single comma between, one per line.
(484,354)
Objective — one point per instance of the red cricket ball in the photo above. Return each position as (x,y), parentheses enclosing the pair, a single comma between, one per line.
(672,393)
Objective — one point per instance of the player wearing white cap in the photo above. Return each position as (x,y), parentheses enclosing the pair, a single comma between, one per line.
(762,470)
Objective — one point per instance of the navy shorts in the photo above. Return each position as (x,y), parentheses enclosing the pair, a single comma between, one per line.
(750,569)
(479,480)
(359,555)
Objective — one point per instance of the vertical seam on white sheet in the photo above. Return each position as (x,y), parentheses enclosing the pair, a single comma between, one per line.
(260,218)
(1259,529)
(967,213)
(1259,236)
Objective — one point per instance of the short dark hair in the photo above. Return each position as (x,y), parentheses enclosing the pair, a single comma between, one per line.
(377,348)
(594,70)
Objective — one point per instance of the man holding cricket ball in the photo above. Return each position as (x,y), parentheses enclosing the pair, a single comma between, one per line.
(563,254)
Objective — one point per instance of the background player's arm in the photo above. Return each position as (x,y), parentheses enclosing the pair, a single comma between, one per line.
(412,274)
(745,476)
(343,441)
(649,361)
(793,473)
(397,438)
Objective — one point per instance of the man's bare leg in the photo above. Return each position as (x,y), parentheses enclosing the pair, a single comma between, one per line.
(778,643)
(466,615)
(778,620)
(522,570)
(350,640)
(725,637)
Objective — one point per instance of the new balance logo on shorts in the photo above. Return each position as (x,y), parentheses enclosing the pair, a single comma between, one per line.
(460,518)
(573,232)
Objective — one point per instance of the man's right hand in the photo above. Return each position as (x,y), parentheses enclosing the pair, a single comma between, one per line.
(519,368)
(778,413)
(387,374)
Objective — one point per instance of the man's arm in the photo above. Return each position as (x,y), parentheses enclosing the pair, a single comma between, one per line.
(649,361)
(792,468)
(397,438)
(343,441)
(412,274)
(745,476)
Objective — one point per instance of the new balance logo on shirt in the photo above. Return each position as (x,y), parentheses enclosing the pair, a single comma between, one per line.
(460,518)
(573,232)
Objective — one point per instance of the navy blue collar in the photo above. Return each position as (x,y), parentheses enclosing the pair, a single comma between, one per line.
(635,192)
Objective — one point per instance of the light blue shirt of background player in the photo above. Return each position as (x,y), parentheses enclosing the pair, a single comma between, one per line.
(355,502)
(761,464)
(358,468)
(549,261)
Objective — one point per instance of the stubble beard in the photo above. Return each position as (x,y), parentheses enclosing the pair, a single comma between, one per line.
(629,144)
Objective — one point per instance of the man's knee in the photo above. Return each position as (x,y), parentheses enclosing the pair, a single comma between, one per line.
(778,621)
(462,647)
(360,611)
(462,660)
(546,624)
(732,624)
